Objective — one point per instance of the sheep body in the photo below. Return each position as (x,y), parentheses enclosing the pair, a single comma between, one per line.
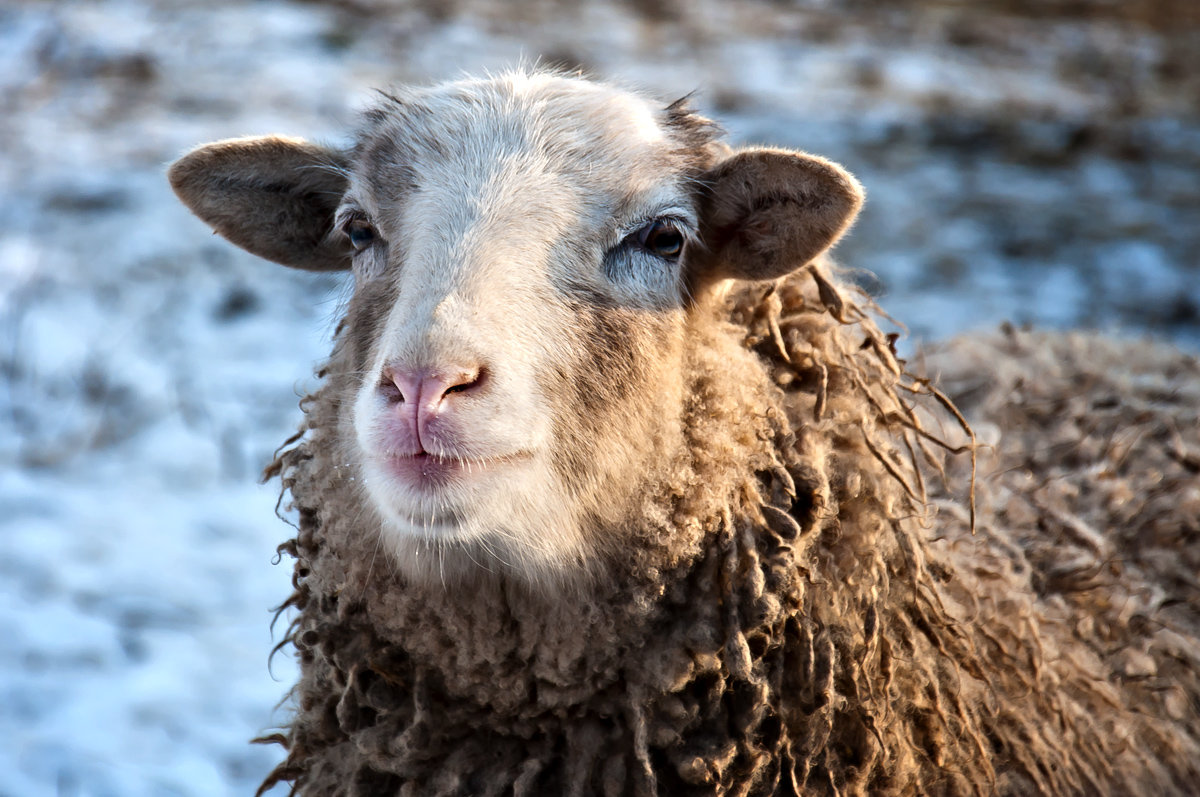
(746,590)
(859,653)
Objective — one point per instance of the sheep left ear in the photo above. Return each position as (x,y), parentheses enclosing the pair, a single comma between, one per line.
(767,212)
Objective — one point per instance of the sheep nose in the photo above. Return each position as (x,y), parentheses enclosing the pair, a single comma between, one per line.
(426,389)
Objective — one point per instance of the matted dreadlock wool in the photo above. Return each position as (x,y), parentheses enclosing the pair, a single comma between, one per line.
(790,615)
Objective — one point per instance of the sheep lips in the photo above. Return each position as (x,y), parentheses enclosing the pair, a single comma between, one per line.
(426,448)
(426,472)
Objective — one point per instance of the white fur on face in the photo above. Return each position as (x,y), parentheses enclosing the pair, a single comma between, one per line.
(517,203)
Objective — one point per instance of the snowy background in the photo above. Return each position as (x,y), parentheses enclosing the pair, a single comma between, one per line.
(1032,160)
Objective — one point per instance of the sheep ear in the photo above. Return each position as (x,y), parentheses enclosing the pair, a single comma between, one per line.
(768,212)
(272,196)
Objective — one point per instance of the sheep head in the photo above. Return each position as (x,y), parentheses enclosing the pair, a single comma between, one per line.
(530,256)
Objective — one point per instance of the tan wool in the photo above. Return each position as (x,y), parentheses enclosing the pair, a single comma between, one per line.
(743,547)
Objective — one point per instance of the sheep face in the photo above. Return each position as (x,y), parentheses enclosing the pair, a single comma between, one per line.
(524,244)
(528,254)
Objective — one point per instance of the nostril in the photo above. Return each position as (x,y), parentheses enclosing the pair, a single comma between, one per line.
(426,388)
(397,386)
(465,380)
(389,390)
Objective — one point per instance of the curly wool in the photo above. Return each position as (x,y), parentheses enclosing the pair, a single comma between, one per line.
(788,617)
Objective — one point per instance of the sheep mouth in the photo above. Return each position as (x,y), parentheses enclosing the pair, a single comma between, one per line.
(428,472)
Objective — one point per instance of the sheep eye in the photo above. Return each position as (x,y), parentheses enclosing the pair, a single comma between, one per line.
(661,238)
(360,233)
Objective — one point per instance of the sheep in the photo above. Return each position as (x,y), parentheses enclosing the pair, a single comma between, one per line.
(613,486)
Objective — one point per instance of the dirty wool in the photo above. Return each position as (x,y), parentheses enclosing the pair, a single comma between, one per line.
(837,587)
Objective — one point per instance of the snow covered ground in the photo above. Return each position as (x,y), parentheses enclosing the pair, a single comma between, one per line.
(1037,170)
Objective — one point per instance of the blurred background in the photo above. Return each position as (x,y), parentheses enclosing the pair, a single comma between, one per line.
(1028,160)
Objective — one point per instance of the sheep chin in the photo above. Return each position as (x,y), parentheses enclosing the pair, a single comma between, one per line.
(514,517)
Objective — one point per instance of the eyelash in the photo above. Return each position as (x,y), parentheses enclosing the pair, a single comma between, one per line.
(642,238)
(670,248)
(363,229)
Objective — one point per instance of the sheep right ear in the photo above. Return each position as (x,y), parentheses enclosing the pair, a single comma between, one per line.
(767,212)
(272,196)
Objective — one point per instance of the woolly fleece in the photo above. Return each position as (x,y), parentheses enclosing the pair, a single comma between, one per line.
(791,618)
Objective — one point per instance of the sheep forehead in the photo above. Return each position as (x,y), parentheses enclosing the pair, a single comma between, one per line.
(592,135)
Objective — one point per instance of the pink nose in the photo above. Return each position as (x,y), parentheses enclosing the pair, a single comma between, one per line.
(421,395)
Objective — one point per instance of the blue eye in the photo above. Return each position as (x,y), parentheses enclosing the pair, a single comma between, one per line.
(360,233)
(662,239)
